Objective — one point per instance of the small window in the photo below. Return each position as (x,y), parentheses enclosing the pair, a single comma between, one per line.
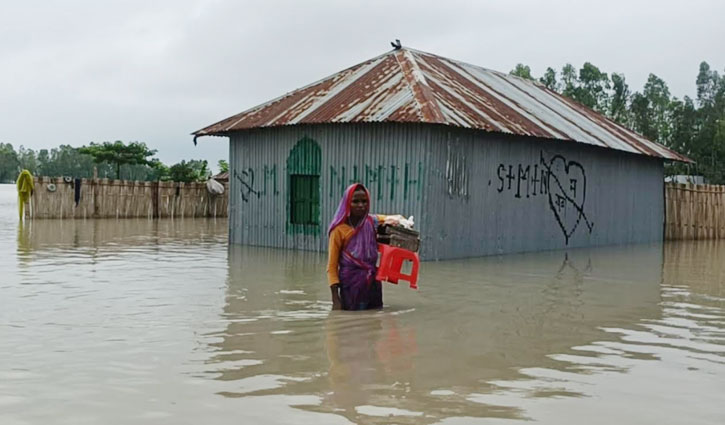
(305,199)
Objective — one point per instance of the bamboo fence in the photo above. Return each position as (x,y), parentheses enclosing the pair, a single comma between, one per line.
(694,211)
(104,198)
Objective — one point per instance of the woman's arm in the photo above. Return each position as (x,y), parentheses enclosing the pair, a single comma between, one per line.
(333,260)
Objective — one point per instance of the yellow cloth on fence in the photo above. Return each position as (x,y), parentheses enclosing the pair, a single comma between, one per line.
(25,190)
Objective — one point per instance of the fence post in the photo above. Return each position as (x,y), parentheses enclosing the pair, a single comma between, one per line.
(155,198)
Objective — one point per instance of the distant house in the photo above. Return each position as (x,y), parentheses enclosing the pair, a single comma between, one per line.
(487,163)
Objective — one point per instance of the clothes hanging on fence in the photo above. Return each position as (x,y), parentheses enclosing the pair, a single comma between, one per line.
(77,191)
(25,186)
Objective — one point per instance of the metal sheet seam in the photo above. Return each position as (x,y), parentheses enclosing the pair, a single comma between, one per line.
(382,93)
(559,126)
(286,111)
(518,85)
(511,104)
(636,143)
(448,84)
(427,105)
(398,100)
(586,118)
(335,89)
(489,120)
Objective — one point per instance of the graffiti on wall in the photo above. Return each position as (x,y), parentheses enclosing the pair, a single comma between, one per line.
(267,186)
(567,194)
(393,182)
(269,180)
(246,178)
(383,181)
(562,182)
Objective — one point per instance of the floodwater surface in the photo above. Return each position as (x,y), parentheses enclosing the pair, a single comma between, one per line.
(161,322)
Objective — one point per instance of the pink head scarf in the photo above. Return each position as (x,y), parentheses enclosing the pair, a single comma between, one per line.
(343,210)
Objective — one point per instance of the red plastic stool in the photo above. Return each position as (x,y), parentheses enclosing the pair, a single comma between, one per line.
(391,264)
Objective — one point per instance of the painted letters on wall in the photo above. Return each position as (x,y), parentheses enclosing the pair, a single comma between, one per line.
(558,180)
(389,181)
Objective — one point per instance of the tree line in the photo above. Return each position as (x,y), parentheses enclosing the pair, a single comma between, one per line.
(693,127)
(114,160)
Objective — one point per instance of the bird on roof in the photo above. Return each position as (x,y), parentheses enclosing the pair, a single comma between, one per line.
(396,44)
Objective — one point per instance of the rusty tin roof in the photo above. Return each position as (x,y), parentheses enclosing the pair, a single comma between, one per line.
(407,85)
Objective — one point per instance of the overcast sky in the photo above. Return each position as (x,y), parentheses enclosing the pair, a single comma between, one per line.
(77,71)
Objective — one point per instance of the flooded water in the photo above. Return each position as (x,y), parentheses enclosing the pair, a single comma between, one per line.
(161,322)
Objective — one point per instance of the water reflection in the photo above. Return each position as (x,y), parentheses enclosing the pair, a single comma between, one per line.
(23,238)
(621,371)
(49,234)
(475,327)
(369,357)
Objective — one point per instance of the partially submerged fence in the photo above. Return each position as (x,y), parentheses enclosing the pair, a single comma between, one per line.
(694,211)
(103,198)
(691,211)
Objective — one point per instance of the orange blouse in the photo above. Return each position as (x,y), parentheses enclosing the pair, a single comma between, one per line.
(339,236)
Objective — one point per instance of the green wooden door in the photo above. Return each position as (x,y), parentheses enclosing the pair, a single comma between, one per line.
(303,171)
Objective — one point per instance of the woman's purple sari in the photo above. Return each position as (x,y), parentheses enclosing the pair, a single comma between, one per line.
(358,259)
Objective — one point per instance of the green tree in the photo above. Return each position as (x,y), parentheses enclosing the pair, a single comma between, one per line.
(569,81)
(717,168)
(683,118)
(711,112)
(9,163)
(66,160)
(641,115)
(28,160)
(593,88)
(549,79)
(658,96)
(191,171)
(619,99)
(159,171)
(708,85)
(43,158)
(522,71)
(119,153)
(223,166)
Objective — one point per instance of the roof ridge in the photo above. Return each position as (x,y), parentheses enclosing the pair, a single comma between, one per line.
(422,93)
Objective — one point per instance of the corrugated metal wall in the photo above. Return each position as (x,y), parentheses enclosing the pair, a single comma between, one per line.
(389,158)
(504,194)
(472,193)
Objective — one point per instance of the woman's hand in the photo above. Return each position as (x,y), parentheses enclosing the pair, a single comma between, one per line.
(336,301)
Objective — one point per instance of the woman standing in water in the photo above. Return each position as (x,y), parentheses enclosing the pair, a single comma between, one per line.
(353,253)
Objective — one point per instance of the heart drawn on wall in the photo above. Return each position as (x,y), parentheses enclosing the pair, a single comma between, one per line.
(567,182)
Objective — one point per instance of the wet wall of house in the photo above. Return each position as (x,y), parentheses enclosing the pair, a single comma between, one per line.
(471,193)
(494,194)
